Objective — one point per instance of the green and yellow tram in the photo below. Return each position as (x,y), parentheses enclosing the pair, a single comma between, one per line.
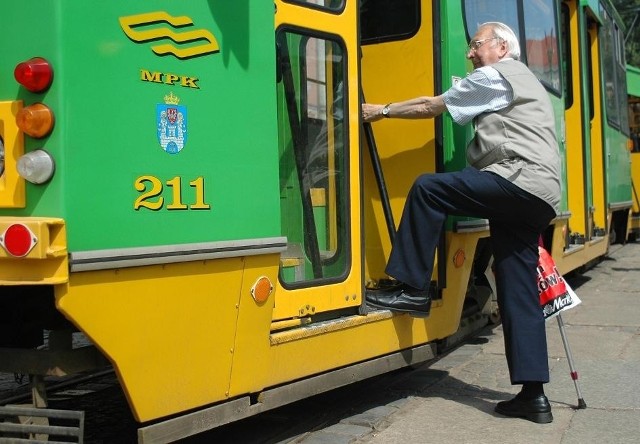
(190,185)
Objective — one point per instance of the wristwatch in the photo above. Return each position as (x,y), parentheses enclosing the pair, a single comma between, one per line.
(386,109)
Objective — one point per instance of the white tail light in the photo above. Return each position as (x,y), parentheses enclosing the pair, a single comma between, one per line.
(36,166)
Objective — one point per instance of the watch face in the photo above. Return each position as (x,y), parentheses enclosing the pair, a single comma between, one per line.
(385,111)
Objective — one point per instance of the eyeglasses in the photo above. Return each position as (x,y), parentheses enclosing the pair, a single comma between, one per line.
(475,44)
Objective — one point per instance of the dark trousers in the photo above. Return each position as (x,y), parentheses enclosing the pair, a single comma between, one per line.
(516,220)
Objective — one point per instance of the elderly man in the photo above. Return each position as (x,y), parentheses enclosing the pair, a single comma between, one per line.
(513,180)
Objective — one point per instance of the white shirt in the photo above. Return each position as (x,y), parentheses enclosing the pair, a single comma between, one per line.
(484,90)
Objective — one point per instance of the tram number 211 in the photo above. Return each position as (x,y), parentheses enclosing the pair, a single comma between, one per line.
(151,189)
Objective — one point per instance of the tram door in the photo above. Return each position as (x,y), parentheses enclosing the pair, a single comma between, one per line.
(578,106)
(598,209)
(398,56)
(317,93)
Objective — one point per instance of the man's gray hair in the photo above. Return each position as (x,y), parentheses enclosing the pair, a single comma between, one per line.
(506,34)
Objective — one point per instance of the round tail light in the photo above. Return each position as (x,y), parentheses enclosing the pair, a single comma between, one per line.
(35,120)
(35,74)
(36,166)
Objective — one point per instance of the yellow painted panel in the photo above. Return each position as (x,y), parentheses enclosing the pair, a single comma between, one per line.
(12,186)
(295,353)
(251,349)
(46,263)
(635,178)
(293,359)
(312,300)
(394,71)
(169,330)
(590,251)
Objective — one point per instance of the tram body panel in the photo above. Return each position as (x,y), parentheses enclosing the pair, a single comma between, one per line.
(177,319)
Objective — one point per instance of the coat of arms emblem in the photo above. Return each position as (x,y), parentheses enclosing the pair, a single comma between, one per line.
(171,119)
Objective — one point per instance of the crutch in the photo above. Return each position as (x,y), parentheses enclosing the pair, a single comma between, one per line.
(574,372)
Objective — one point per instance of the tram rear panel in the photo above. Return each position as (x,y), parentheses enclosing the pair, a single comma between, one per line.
(153,141)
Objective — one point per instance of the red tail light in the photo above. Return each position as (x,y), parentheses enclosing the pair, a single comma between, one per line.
(35,74)
(18,240)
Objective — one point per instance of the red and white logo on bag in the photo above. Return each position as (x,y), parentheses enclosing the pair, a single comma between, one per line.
(555,293)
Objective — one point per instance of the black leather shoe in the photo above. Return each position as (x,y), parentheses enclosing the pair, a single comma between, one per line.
(401,298)
(535,409)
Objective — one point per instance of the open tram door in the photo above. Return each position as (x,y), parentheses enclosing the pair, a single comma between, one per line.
(318,115)
(413,48)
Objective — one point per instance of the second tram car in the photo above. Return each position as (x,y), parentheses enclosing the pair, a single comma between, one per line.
(189,185)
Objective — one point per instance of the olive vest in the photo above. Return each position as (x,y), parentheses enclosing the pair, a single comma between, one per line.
(519,142)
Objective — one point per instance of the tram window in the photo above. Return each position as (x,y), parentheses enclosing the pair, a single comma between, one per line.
(541,37)
(621,81)
(384,20)
(592,26)
(567,67)
(313,158)
(539,32)
(608,68)
(334,5)
(614,73)
(477,12)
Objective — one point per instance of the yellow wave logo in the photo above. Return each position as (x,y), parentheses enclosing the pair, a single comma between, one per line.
(189,38)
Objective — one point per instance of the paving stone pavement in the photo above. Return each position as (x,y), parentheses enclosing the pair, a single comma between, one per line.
(452,400)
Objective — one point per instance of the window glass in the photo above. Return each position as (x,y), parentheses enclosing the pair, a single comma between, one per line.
(614,74)
(477,12)
(621,82)
(608,67)
(567,68)
(538,35)
(313,170)
(541,46)
(384,20)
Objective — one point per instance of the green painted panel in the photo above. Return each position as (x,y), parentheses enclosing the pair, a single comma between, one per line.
(454,66)
(618,161)
(633,80)
(108,97)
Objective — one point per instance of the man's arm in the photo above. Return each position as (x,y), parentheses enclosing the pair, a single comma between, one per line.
(418,108)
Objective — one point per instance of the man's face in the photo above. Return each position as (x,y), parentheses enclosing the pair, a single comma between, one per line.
(485,48)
